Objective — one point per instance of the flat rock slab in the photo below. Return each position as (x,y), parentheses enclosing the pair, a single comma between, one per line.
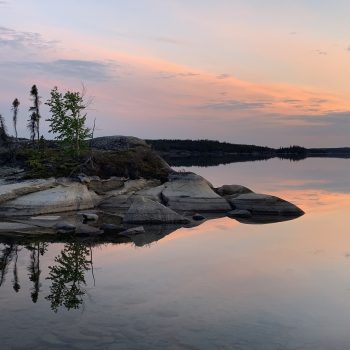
(8,227)
(258,203)
(63,198)
(12,191)
(46,218)
(191,192)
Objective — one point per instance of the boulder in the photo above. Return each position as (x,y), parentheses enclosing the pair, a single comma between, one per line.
(264,204)
(232,190)
(144,210)
(117,142)
(191,192)
(12,191)
(70,196)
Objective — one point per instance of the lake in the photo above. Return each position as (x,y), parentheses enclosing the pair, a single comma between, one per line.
(220,285)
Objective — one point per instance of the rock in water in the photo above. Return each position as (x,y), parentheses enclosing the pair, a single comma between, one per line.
(191,192)
(265,204)
(70,196)
(145,210)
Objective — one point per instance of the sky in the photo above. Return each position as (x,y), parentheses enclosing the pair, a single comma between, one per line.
(267,72)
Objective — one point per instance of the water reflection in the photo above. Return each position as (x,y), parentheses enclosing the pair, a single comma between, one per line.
(67,276)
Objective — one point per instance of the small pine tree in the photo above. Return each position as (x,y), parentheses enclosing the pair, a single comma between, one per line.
(15,105)
(34,120)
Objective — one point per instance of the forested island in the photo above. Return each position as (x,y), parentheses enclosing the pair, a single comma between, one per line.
(209,152)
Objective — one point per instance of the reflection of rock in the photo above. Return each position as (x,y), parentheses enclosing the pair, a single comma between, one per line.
(13,227)
(264,204)
(153,233)
(266,219)
(191,192)
(239,213)
(69,196)
(232,190)
(144,210)
(134,231)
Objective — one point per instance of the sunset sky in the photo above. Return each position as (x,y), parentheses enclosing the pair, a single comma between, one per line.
(269,72)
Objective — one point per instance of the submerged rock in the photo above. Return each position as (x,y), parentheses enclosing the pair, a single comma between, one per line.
(191,192)
(264,204)
(145,210)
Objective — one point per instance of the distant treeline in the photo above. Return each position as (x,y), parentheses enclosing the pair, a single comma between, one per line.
(205,146)
(209,152)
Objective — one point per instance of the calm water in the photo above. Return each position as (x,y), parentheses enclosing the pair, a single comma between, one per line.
(221,285)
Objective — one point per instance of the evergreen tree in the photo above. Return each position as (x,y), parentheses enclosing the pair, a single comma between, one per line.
(34,120)
(68,119)
(15,105)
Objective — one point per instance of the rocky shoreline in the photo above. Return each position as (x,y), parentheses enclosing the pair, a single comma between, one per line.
(87,205)
(91,207)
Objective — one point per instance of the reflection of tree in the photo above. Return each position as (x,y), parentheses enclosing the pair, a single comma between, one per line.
(6,257)
(34,267)
(68,277)
(16,285)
